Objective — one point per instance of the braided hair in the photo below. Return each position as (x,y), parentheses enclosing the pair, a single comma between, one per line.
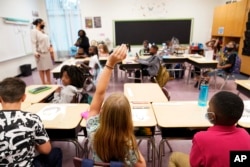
(75,73)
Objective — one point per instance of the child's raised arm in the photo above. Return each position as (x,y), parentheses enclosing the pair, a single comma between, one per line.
(117,56)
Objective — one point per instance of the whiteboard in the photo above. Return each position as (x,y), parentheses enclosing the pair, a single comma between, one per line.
(15,40)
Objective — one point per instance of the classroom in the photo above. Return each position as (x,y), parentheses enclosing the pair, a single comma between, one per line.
(161,125)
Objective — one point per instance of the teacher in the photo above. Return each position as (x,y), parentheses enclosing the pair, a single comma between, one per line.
(40,46)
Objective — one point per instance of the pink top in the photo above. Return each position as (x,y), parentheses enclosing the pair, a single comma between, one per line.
(212,147)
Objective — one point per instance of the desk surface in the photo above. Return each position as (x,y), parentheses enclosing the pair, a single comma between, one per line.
(245,118)
(144,92)
(243,83)
(67,119)
(36,98)
(180,114)
(143,116)
(23,106)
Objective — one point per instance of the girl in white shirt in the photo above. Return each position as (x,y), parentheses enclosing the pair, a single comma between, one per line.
(72,79)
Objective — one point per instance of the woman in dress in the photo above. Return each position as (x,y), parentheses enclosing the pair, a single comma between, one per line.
(41,46)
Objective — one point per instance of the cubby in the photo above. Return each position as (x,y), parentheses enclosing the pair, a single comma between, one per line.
(231,23)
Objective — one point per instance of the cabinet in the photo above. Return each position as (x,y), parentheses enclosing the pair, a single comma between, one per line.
(229,23)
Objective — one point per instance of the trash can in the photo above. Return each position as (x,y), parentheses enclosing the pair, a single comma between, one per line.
(26,70)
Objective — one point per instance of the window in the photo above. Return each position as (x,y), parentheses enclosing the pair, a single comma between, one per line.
(64,18)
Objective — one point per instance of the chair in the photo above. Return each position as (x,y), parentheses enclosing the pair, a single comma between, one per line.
(79,162)
(166,93)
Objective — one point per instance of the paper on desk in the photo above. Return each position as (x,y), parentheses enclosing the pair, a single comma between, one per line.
(50,112)
(245,117)
(140,114)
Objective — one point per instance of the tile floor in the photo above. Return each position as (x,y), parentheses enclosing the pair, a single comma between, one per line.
(179,90)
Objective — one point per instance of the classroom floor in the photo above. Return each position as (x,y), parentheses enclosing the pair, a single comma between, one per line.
(179,91)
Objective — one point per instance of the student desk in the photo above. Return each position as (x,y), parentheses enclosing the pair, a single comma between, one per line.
(56,71)
(173,117)
(244,121)
(63,126)
(23,106)
(144,92)
(39,97)
(243,86)
(144,124)
(130,65)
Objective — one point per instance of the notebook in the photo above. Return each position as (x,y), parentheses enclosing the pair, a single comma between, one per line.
(39,89)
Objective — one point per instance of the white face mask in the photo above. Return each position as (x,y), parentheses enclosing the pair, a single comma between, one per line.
(210,116)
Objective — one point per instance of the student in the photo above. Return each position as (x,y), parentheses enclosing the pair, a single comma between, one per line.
(72,79)
(150,66)
(109,125)
(212,147)
(229,58)
(145,49)
(94,66)
(103,50)
(22,133)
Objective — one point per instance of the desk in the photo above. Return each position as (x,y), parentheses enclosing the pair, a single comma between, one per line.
(144,92)
(56,71)
(243,86)
(174,115)
(23,106)
(39,97)
(244,121)
(65,126)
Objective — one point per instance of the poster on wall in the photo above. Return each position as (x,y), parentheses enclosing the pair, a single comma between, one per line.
(88,22)
(220,30)
(97,22)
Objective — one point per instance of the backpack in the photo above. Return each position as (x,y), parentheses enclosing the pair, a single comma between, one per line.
(162,76)
(237,65)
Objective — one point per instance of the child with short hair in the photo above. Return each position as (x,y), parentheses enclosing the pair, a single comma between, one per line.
(22,133)
(212,147)
(109,124)
(72,79)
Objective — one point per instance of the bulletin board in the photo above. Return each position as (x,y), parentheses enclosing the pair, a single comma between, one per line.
(15,38)
(155,31)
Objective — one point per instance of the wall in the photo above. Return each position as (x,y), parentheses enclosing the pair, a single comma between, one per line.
(109,10)
(19,9)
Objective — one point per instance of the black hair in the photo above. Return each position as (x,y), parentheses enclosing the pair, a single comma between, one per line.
(128,47)
(12,90)
(84,33)
(228,107)
(146,41)
(37,21)
(75,73)
(155,47)
(95,50)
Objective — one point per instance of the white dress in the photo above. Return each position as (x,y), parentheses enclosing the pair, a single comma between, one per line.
(40,45)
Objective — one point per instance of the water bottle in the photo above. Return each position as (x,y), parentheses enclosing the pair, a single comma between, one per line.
(202,101)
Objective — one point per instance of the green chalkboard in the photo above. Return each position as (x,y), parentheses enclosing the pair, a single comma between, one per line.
(156,31)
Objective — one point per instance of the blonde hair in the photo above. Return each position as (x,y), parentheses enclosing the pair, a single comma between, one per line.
(104,47)
(115,136)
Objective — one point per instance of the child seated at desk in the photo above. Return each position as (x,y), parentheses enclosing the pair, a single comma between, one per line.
(72,79)
(22,133)
(109,124)
(94,66)
(212,147)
